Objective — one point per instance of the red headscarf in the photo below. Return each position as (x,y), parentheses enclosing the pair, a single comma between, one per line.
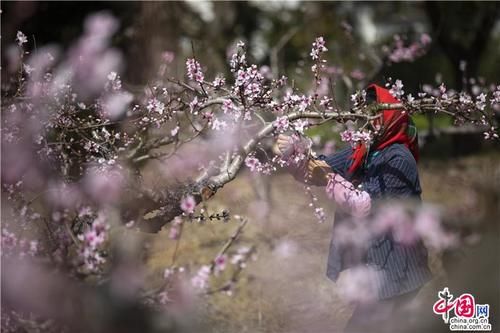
(397,127)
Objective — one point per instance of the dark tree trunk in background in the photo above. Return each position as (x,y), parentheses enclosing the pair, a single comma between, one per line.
(155,29)
(462,30)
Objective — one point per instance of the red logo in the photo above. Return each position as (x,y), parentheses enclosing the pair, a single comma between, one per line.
(466,315)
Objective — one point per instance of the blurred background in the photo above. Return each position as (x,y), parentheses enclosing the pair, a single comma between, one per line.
(459,172)
(359,35)
(280,32)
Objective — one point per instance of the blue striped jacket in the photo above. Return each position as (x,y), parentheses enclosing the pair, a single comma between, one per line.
(389,173)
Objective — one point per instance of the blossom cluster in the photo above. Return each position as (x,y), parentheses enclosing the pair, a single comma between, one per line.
(401,53)
(356,137)
(201,279)
(255,165)
(249,82)
(397,89)
(358,99)
(281,124)
(318,47)
(238,59)
(92,242)
(194,71)
(295,101)
(13,245)
(471,107)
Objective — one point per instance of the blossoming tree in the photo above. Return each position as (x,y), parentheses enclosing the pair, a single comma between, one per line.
(76,141)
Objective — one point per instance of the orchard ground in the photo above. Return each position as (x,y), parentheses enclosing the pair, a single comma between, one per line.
(286,289)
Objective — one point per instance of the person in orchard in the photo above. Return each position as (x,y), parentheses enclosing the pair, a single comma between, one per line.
(358,177)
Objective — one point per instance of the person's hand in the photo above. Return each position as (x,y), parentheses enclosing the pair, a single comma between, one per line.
(283,145)
(318,171)
(286,146)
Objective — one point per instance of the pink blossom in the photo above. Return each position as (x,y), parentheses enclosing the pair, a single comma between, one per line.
(64,195)
(300,125)
(429,227)
(491,134)
(174,131)
(304,103)
(329,147)
(21,38)
(359,284)
(495,98)
(92,56)
(228,106)
(104,184)
(220,263)
(33,247)
(114,82)
(91,59)
(28,69)
(193,106)
(387,217)
(358,98)
(481,101)
(115,105)
(200,280)
(101,25)
(397,89)
(326,102)
(465,99)
(155,105)
(265,71)
(9,239)
(173,232)
(168,56)
(209,116)
(92,240)
(475,89)
(219,82)
(319,212)
(286,249)
(334,70)
(355,137)
(442,91)
(357,74)
(250,81)
(252,163)
(167,273)
(282,81)
(425,39)
(409,53)
(188,204)
(318,47)
(163,298)
(281,124)
(239,257)
(346,136)
(194,71)
(218,125)
(238,59)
